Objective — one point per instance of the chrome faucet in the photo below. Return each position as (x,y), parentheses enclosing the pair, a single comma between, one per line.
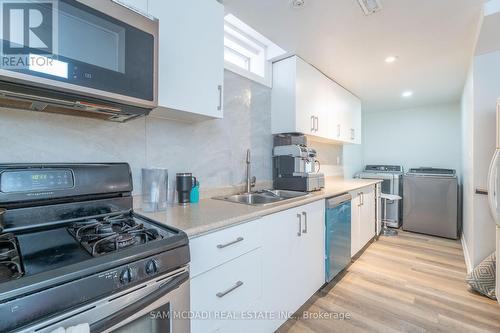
(250,180)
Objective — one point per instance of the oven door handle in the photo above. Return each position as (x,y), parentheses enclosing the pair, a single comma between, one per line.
(118,317)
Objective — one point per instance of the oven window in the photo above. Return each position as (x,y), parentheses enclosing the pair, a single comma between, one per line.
(156,321)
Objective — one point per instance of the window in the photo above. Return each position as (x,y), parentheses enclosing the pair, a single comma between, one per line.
(248,53)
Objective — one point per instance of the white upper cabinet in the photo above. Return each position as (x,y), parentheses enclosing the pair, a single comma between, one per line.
(191,58)
(304,100)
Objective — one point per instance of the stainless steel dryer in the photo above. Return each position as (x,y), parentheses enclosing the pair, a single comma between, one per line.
(391,176)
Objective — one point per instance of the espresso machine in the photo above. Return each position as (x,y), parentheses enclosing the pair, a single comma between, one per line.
(295,166)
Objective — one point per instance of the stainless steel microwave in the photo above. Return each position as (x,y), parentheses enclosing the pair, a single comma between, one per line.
(88,57)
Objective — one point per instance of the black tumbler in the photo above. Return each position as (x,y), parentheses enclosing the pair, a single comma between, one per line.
(185,182)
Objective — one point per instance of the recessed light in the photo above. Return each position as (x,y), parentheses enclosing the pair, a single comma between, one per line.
(370,6)
(298,3)
(391,59)
(407,94)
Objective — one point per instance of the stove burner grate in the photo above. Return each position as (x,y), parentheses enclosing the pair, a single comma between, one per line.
(111,233)
(10,260)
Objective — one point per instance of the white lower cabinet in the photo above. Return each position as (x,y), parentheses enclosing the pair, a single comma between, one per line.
(264,272)
(363,218)
(293,261)
(221,295)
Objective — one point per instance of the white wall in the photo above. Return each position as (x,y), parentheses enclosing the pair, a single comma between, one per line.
(353,159)
(428,136)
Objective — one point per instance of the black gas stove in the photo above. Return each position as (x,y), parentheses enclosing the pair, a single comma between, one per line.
(71,238)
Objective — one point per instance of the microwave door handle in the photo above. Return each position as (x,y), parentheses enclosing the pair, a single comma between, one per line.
(118,317)
(493,186)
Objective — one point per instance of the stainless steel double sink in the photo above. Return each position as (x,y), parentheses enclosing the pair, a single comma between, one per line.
(263,198)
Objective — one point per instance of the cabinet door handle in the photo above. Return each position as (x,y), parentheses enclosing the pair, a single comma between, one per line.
(299,216)
(317,124)
(362,199)
(359,199)
(237,240)
(233,288)
(304,231)
(219,87)
(313,127)
(353,134)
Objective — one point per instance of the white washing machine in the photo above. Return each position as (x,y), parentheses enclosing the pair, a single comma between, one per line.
(392,183)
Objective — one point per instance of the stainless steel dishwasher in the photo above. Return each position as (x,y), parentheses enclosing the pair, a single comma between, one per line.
(338,235)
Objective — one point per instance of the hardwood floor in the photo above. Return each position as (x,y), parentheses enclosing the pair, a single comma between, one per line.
(408,283)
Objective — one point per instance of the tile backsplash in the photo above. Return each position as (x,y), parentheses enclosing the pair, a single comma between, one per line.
(330,157)
(213,150)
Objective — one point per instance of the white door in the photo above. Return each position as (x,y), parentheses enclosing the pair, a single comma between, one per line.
(312,250)
(339,116)
(355,223)
(191,55)
(324,125)
(368,221)
(378,208)
(308,96)
(355,118)
(335,115)
(281,266)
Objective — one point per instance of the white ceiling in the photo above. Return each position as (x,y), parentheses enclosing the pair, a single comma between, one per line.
(433,39)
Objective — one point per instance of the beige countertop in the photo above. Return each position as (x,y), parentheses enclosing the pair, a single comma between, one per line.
(209,214)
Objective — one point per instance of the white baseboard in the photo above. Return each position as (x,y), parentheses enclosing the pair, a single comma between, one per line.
(468,262)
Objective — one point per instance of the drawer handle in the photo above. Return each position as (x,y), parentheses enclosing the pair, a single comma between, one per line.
(300,225)
(224,293)
(219,88)
(237,240)
(305,223)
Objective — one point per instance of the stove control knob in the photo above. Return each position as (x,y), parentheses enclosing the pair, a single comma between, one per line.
(126,276)
(152,267)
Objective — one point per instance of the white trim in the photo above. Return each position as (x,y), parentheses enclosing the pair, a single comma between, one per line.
(468,262)
(245,40)
(491,7)
(267,81)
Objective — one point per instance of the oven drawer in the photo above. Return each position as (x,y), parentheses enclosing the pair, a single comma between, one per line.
(227,290)
(214,249)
